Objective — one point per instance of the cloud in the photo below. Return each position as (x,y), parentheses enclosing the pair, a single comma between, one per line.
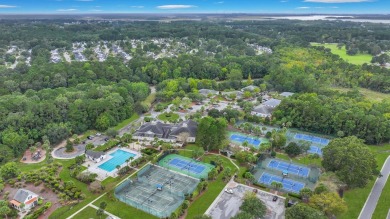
(85,0)
(175,6)
(220,2)
(337,1)
(137,6)
(95,10)
(7,6)
(303,8)
(284,1)
(67,10)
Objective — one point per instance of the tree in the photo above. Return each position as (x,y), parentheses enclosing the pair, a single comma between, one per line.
(321,188)
(103,205)
(211,133)
(243,215)
(253,205)
(303,211)
(249,176)
(277,185)
(293,149)
(69,146)
(306,193)
(197,152)
(4,209)
(100,212)
(235,75)
(351,160)
(328,202)
(9,170)
(112,132)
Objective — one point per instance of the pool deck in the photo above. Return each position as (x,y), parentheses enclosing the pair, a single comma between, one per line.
(102,174)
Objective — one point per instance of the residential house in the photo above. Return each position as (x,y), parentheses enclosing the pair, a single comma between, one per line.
(228,94)
(265,109)
(167,132)
(250,88)
(95,156)
(272,103)
(24,200)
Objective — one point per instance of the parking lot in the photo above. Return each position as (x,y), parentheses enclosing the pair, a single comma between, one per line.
(227,205)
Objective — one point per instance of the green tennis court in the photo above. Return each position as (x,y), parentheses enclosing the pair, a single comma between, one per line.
(186,166)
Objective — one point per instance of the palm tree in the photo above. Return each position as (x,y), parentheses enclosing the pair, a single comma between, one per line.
(131,160)
(306,193)
(277,185)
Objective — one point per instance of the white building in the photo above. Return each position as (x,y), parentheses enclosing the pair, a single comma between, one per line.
(95,156)
(24,200)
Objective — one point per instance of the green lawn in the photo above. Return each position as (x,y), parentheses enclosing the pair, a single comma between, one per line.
(356,198)
(89,213)
(170,117)
(369,94)
(302,159)
(122,124)
(383,206)
(358,59)
(121,209)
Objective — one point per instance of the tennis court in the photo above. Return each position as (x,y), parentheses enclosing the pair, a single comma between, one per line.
(156,190)
(239,138)
(311,138)
(315,150)
(289,168)
(186,166)
(288,184)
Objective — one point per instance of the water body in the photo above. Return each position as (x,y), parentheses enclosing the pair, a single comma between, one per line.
(332,18)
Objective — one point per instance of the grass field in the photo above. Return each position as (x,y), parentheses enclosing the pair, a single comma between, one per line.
(122,124)
(170,117)
(358,59)
(89,213)
(200,205)
(356,198)
(369,94)
(121,209)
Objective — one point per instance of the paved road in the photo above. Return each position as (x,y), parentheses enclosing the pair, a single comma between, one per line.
(369,206)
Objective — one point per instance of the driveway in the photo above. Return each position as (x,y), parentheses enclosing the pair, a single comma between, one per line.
(372,200)
(79,149)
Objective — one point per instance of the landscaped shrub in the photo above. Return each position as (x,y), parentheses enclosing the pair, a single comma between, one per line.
(149,151)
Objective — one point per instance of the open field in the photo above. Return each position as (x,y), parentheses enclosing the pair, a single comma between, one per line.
(356,198)
(369,94)
(122,124)
(358,59)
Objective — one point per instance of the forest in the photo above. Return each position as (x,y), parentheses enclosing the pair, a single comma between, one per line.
(41,99)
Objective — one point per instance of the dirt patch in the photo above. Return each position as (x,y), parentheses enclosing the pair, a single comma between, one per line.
(42,191)
(27,157)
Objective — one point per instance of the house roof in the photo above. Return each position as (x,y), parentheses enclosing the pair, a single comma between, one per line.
(286,94)
(272,102)
(207,91)
(167,130)
(94,154)
(31,200)
(263,110)
(16,203)
(188,126)
(250,88)
(22,194)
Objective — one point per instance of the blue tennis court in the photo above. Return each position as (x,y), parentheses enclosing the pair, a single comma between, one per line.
(242,138)
(288,184)
(315,150)
(313,139)
(289,168)
(187,165)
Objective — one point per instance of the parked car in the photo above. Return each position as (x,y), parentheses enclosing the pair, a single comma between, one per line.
(98,134)
(275,198)
(229,191)
(106,139)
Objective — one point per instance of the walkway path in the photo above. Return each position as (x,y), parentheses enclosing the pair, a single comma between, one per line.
(106,212)
(372,200)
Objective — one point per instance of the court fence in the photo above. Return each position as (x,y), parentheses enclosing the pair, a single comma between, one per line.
(309,181)
(164,162)
(126,192)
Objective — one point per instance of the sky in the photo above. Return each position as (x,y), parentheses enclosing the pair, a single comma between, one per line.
(195,6)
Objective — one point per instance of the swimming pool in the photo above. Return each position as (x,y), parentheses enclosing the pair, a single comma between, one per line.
(118,158)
